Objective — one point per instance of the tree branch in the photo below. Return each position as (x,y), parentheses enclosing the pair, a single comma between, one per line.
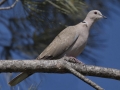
(56,66)
(60,66)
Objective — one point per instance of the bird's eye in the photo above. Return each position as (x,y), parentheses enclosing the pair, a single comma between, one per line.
(95,12)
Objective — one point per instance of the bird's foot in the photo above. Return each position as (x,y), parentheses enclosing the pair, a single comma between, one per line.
(73,60)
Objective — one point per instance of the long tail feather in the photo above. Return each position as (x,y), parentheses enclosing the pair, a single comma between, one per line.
(19,78)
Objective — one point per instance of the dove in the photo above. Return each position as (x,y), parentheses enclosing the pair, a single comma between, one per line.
(69,42)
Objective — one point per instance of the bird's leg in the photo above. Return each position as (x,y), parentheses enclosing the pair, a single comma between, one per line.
(72,59)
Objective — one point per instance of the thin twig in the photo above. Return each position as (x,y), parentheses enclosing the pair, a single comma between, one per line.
(82,77)
(9,7)
(2,2)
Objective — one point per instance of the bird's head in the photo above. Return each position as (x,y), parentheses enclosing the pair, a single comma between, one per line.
(95,15)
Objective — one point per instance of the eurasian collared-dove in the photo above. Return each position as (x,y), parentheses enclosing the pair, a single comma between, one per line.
(69,42)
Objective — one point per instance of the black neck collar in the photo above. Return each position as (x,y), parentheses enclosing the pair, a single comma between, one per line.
(83,22)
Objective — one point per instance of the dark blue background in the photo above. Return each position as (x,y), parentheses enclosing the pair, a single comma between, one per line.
(108,56)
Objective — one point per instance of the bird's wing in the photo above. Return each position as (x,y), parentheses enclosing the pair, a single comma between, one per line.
(60,44)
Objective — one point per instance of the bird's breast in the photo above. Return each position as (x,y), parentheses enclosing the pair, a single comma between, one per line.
(79,45)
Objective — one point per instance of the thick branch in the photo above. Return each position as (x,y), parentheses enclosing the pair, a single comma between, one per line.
(56,66)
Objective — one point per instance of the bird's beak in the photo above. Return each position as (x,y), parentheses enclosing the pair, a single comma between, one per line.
(104,17)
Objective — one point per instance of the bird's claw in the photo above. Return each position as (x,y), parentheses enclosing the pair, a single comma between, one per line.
(73,60)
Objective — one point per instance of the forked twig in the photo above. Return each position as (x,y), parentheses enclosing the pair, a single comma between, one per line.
(82,77)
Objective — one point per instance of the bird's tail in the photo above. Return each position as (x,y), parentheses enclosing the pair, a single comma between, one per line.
(19,78)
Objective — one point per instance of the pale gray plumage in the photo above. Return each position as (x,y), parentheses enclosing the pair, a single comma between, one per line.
(70,42)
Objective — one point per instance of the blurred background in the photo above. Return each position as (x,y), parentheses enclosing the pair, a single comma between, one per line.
(31,25)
